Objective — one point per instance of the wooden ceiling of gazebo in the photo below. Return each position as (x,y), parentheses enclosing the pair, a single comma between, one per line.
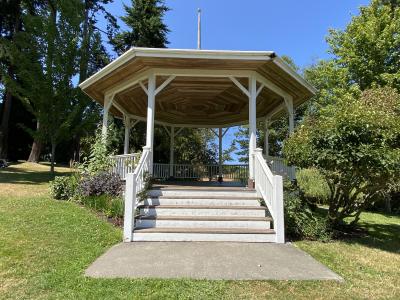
(197,99)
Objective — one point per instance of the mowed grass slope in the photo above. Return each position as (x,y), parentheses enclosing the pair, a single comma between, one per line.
(46,245)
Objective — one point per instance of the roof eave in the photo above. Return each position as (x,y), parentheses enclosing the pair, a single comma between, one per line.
(176,53)
(289,70)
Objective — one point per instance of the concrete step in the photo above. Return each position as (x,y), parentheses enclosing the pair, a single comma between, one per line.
(201,200)
(202,210)
(205,234)
(217,222)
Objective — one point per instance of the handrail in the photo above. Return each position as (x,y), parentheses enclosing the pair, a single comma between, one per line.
(279,167)
(134,184)
(270,188)
(196,171)
(123,164)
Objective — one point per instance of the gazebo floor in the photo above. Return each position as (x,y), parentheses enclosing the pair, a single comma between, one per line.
(206,185)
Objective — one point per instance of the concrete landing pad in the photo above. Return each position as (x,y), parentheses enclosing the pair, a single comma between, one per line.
(209,260)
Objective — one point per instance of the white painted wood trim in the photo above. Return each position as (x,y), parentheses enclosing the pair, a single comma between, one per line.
(108,101)
(205,54)
(266,136)
(290,109)
(130,206)
(179,130)
(252,123)
(164,84)
(226,130)
(275,111)
(150,118)
(166,129)
(134,122)
(240,86)
(272,86)
(288,69)
(127,123)
(171,151)
(220,135)
(277,201)
(260,89)
(176,53)
(129,82)
(143,87)
(215,133)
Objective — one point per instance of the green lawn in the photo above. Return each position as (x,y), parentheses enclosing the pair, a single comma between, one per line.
(45,246)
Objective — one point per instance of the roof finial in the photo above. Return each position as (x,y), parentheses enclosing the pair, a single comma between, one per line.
(199,28)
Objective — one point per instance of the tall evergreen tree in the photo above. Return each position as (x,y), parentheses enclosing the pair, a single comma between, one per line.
(147,29)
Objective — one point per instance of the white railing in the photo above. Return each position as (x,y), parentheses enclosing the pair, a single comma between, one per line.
(279,167)
(134,184)
(124,164)
(188,171)
(270,188)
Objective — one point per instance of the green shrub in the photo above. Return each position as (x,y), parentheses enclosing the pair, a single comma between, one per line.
(112,207)
(301,222)
(312,185)
(64,187)
(148,183)
(99,184)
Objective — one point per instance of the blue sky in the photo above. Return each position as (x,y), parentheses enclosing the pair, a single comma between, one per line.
(294,28)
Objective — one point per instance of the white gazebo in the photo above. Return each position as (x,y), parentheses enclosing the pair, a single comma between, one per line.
(197,88)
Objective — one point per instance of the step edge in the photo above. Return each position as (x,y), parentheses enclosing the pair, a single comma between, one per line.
(211,230)
(239,207)
(204,218)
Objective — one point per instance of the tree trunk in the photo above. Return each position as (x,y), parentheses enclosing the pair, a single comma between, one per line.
(388,204)
(36,147)
(77,148)
(53,153)
(4,125)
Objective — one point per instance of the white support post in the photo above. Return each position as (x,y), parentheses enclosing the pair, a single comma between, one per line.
(108,100)
(266,137)
(127,123)
(252,123)
(130,206)
(277,204)
(290,109)
(150,118)
(171,151)
(220,135)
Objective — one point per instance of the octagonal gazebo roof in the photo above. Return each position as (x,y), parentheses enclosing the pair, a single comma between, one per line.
(203,92)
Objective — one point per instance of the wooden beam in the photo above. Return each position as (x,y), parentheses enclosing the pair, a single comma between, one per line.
(260,89)
(226,130)
(164,84)
(143,87)
(129,82)
(166,129)
(240,86)
(273,87)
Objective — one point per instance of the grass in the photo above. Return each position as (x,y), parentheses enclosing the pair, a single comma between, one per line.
(27,179)
(45,246)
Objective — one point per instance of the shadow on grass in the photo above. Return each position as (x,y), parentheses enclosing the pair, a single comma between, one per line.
(380,231)
(380,236)
(15,175)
